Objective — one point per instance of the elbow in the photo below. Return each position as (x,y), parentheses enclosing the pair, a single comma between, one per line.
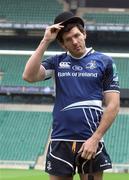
(27,78)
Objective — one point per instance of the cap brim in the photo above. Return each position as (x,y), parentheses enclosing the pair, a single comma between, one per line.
(73,20)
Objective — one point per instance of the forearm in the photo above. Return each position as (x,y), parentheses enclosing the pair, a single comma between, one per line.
(32,67)
(107,119)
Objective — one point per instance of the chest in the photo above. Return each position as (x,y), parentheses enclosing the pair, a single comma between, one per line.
(89,71)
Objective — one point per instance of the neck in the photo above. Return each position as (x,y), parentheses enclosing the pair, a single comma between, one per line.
(82,55)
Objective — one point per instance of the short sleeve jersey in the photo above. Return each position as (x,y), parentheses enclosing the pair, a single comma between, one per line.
(80,86)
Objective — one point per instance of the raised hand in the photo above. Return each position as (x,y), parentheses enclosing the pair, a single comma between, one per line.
(52,31)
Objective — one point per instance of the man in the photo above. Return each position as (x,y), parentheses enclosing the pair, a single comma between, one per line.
(84,78)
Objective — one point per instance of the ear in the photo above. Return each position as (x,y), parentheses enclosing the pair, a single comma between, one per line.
(85,35)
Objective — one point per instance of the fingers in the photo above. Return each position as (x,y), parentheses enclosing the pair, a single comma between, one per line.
(51,32)
(87,153)
(55,28)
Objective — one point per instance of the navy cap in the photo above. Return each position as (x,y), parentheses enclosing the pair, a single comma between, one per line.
(67,18)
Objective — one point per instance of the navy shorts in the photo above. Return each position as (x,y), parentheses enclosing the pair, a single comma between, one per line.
(61,159)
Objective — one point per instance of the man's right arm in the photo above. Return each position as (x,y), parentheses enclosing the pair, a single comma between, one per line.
(34,71)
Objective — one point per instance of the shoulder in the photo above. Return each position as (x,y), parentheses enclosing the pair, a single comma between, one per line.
(103,58)
(56,58)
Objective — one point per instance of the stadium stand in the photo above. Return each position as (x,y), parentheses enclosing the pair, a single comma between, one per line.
(12,67)
(116,140)
(122,67)
(107,18)
(29,11)
(23,135)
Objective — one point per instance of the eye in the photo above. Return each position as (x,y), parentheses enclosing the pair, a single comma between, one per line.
(68,39)
(77,35)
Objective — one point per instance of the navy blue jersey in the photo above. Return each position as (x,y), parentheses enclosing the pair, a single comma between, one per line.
(80,86)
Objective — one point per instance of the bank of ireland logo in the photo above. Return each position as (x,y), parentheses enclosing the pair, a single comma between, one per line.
(91,65)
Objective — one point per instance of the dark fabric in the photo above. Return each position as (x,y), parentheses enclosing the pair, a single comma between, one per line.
(61,159)
(68,17)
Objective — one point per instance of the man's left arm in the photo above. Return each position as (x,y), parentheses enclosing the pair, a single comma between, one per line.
(112,103)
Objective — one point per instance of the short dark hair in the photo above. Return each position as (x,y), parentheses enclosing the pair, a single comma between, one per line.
(67,28)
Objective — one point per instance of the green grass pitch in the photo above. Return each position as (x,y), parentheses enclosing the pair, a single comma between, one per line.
(13,174)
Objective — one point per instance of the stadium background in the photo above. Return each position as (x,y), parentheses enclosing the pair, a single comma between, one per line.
(25,109)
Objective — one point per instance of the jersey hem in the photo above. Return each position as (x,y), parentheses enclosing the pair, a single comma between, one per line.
(72,140)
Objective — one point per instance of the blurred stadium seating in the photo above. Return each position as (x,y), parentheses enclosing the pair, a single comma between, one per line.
(24,135)
(29,11)
(122,67)
(107,18)
(116,140)
(12,67)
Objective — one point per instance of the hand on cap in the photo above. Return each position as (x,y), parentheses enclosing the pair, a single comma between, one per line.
(52,31)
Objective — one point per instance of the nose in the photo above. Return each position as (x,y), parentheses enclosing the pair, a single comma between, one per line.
(74,41)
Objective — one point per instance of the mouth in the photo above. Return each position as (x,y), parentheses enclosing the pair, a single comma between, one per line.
(78,48)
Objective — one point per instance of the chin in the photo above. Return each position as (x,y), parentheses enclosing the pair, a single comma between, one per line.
(78,55)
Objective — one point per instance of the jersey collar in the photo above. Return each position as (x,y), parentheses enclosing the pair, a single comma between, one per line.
(88,51)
